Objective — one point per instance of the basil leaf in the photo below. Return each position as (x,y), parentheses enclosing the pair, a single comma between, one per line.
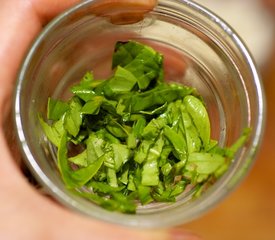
(178,142)
(92,106)
(153,98)
(142,61)
(121,155)
(84,89)
(153,128)
(54,132)
(199,116)
(104,187)
(232,150)
(144,194)
(80,159)
(204,163)
(73,117)
(83,175)
(193,140)
(95,147)
(111,177)
(133,138)
(142,151)
(123,81)
(62,162)
(150,170)
(56,109)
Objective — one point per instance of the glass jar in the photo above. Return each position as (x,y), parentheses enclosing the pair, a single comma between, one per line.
(203,52)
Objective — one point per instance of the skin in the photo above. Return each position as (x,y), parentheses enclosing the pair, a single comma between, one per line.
(270,5)
(25,213)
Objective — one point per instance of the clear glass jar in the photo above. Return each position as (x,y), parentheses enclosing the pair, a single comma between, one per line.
(215,61)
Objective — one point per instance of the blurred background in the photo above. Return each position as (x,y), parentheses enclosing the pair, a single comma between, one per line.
(249,212)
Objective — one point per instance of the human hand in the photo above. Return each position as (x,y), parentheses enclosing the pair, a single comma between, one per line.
(26,214)
(270,5)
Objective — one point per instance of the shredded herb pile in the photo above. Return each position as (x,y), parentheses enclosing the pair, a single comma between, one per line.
(134,138)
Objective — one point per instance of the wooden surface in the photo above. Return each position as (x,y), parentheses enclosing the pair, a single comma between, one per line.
(249,212)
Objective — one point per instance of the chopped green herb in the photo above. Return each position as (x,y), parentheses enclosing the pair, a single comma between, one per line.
(133,138)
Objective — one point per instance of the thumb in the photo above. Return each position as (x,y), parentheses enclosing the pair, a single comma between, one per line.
(46,9)
(79,227)
(123,11)
(19,31)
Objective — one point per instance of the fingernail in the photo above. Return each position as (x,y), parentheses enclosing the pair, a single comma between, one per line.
(179,234)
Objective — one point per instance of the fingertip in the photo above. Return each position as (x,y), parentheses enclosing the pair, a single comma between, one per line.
(47,9)
(180,234)
(167,234)
(123,11)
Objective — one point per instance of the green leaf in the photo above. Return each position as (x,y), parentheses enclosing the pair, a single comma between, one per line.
(131,183)
(109,106)
(95,147)
(125,52)
(153,128)
(54,132)
(118,202)
(142,61)
(199,116)
(84,89)
(56,109)
(144,194)
(142,151)
(155,97)
(232,150)
(121,155)
(124,176)
(85,94)
(135,135)
(165,196)
(62,162)
(112,178)
(155,111)
(192,136)
(178,188)
(106,136)
(104,187)
(124,203)
(87,80)
(178,142)
(204,163)
(123,81)
(83,175)
(80,159)
(92,106)
(166,169)
(150,170)
(116,129)
(73,117)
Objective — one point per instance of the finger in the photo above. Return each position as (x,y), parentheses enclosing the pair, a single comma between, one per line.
(45,10)
(270,5)
(105,231)
(43,219)
(19,31)
(123,11)
(120,11)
